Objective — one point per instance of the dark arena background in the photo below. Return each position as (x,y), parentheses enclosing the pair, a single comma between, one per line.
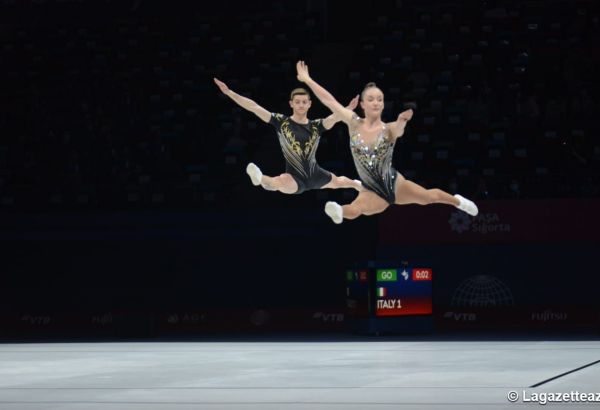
(126,214)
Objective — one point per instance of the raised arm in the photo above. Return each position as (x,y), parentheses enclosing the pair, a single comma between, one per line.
(244,102)
(322,94)
(397,127)
(334,118)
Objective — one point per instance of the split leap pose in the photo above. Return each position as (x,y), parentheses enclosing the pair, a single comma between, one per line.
(372,145)
(299,138)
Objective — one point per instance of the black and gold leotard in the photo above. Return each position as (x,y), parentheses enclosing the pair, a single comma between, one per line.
(299,144)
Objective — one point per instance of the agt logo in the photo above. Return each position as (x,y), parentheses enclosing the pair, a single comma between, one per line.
(186,318)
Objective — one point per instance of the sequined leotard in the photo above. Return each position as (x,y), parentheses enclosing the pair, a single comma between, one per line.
(374,163)
(299,144)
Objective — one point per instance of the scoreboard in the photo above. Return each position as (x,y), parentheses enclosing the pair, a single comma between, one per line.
(403,291)
(390,290)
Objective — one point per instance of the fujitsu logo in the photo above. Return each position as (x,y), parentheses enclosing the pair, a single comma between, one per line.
(549,316)
(102,320)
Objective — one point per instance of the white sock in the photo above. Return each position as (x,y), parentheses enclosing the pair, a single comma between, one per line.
(335,212)
(466,205)
(255,173)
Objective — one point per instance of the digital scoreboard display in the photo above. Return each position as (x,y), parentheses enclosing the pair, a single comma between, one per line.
(403,291)
(389,291)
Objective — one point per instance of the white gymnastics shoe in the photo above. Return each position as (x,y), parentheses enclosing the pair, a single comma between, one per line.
(467,205)
(254,172)
(335,212)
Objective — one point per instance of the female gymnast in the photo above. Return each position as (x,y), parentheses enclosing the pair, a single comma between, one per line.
(372,145)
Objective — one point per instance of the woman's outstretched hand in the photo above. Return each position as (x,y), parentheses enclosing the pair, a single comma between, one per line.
(222,86)
(353,103)
(302,71)
(405,116)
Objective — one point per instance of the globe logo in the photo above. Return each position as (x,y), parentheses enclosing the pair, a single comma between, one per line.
(482,291)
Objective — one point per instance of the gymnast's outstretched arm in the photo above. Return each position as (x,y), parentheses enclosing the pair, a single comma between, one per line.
(322,94)
(244,102)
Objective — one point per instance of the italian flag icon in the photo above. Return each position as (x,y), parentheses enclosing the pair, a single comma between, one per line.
(381,292)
